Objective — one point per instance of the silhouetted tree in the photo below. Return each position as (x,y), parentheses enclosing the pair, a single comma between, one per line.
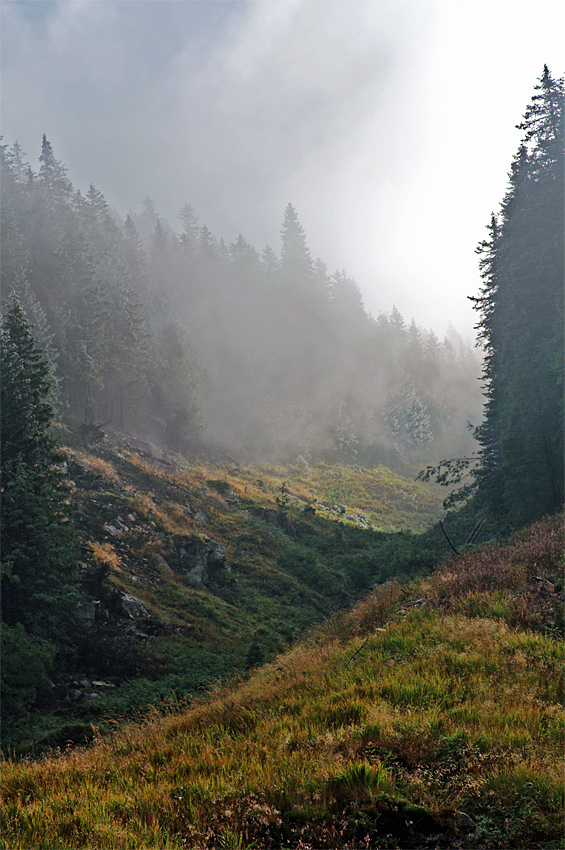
(521,323)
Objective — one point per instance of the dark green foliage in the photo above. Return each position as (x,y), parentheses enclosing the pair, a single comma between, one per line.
(520,476)
(37,545)
(36,541)
(26,664)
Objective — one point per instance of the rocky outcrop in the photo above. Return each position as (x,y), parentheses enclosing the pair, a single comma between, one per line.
(133,607)
(199,559)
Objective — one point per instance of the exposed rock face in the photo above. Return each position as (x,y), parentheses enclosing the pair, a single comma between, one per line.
(90,611)
(199,558)
(133,607)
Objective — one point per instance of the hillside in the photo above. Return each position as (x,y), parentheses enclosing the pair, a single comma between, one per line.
(426,716)
(190,571)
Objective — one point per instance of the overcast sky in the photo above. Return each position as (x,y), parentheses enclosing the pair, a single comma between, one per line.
(388,124)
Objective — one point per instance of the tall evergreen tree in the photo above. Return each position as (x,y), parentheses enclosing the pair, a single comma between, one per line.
(521,323)
(37,566)
(296,260)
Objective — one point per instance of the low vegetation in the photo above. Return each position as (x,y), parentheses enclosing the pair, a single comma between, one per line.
(430,713)
(193,570)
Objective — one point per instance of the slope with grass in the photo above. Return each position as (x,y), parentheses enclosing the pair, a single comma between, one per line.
(193,571)
(427,715)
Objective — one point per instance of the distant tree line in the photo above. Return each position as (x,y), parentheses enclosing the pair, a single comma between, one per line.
(81,277)
(179,336)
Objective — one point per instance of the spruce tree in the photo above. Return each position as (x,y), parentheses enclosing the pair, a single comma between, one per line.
(521,323)
(296,260)
(37,565)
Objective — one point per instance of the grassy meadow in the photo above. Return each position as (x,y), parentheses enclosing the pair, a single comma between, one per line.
(430,714)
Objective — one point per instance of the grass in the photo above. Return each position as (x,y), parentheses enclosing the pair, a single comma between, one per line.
(410,720)
(294,556)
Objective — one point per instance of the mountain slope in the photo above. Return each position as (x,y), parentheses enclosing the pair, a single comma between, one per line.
(190,571)
(426,715)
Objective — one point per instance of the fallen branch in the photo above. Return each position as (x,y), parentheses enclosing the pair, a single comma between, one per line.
(357,651)
(457,552)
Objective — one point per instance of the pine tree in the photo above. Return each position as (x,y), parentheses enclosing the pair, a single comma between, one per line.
(37,566)
(36,550)
(52,173)
(296,261)
(521,323)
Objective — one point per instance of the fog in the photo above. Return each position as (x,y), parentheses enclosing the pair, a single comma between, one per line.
(388,124)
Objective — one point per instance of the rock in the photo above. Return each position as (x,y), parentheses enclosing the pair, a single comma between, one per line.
(133,607)
(197,576)
(162,563)
(111,530)
(90,611)
(199,558)
(131,517)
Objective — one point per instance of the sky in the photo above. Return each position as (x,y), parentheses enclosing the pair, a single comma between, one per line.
(388,124)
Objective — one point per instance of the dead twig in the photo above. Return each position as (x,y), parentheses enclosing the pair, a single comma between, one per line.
(357,651)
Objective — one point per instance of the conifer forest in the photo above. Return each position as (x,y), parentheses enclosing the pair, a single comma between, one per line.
(278,569)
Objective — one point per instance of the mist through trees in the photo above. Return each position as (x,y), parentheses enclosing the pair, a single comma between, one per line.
(173,334)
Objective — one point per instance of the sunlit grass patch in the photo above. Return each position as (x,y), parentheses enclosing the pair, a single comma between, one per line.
(174,518)
(105,555)
(97,465)
(360,780)
(314,733)
(519,581)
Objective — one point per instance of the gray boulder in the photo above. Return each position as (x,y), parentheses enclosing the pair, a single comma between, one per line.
(199,558)
(133,607)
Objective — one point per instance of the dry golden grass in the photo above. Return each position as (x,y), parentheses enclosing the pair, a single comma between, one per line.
(436,711)
(105,555)
(98,465)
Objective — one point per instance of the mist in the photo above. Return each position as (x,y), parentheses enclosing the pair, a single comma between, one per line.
(381,122)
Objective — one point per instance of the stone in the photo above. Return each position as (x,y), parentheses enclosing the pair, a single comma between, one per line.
(90,611)
(133,607)
(199,558)
(162,563)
